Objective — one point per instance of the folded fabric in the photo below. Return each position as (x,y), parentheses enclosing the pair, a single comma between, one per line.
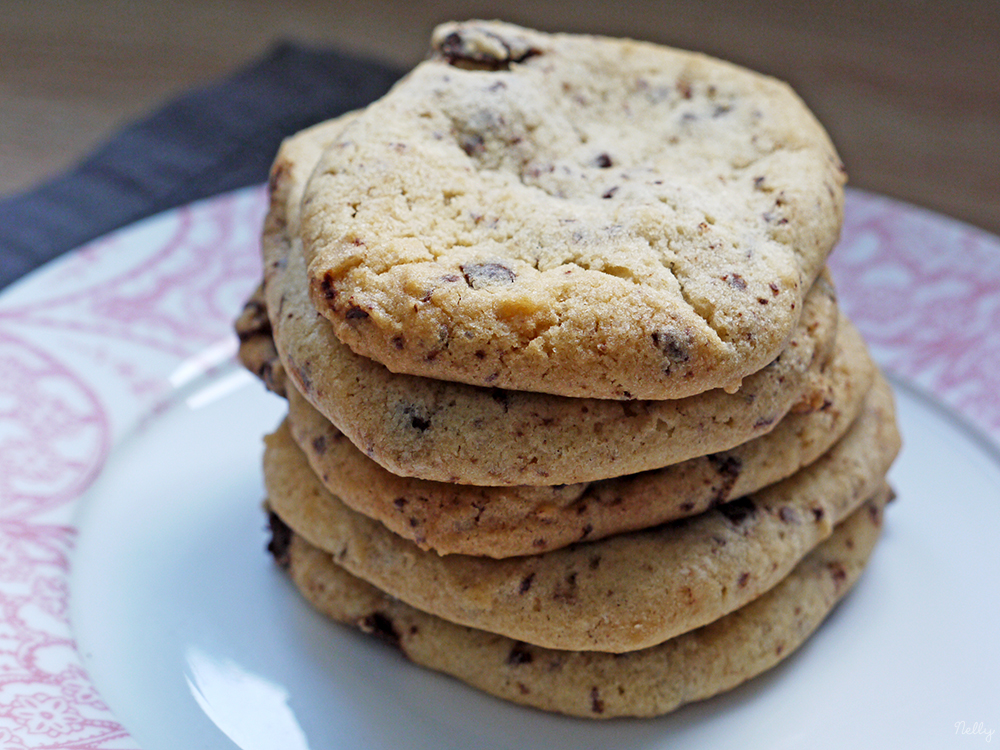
(205,142)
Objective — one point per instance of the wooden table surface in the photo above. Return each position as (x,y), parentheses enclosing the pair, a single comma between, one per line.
(910,91)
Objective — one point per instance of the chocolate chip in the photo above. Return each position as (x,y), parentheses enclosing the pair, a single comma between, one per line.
(610,192)
(319,444)
(355,313)
(729,468)
(737,511)
(735,281)
(673,346)
(481,275)
(743,579)
(526,583)
(476,48)
(326,286)
(586,531)
(400,502)
(519,654)
(281,539)
(381,626)
(417,421)
(596,704)
(603,161)
(837,573)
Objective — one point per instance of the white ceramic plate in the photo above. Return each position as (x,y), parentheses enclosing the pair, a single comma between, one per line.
(138,609)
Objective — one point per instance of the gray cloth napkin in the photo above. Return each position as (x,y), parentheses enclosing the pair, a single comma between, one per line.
(204,143)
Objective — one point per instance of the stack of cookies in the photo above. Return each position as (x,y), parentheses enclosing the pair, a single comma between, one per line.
(573,413)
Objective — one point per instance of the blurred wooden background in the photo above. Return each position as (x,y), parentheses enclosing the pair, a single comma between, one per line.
(909,89)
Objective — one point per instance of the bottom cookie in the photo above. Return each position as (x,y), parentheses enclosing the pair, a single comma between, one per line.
(655,680)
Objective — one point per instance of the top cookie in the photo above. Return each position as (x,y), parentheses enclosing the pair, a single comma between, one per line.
(574,215)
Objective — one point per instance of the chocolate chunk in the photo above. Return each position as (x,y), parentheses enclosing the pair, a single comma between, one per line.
(481,275)
(735,281)
(355,313)
(743,579)
(526,583)
(729,468)
(281,539)
(596,704)
(603,161)
(419,422)
(519,654)
(381,626)
(673,346)
(326,286)
(737,511)
(319,444)
(475,48)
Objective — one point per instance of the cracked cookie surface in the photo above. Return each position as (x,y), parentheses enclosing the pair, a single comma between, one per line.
(454,432)
(572,215)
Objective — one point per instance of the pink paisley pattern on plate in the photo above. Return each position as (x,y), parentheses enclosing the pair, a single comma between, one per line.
(925,292)
(111,323)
